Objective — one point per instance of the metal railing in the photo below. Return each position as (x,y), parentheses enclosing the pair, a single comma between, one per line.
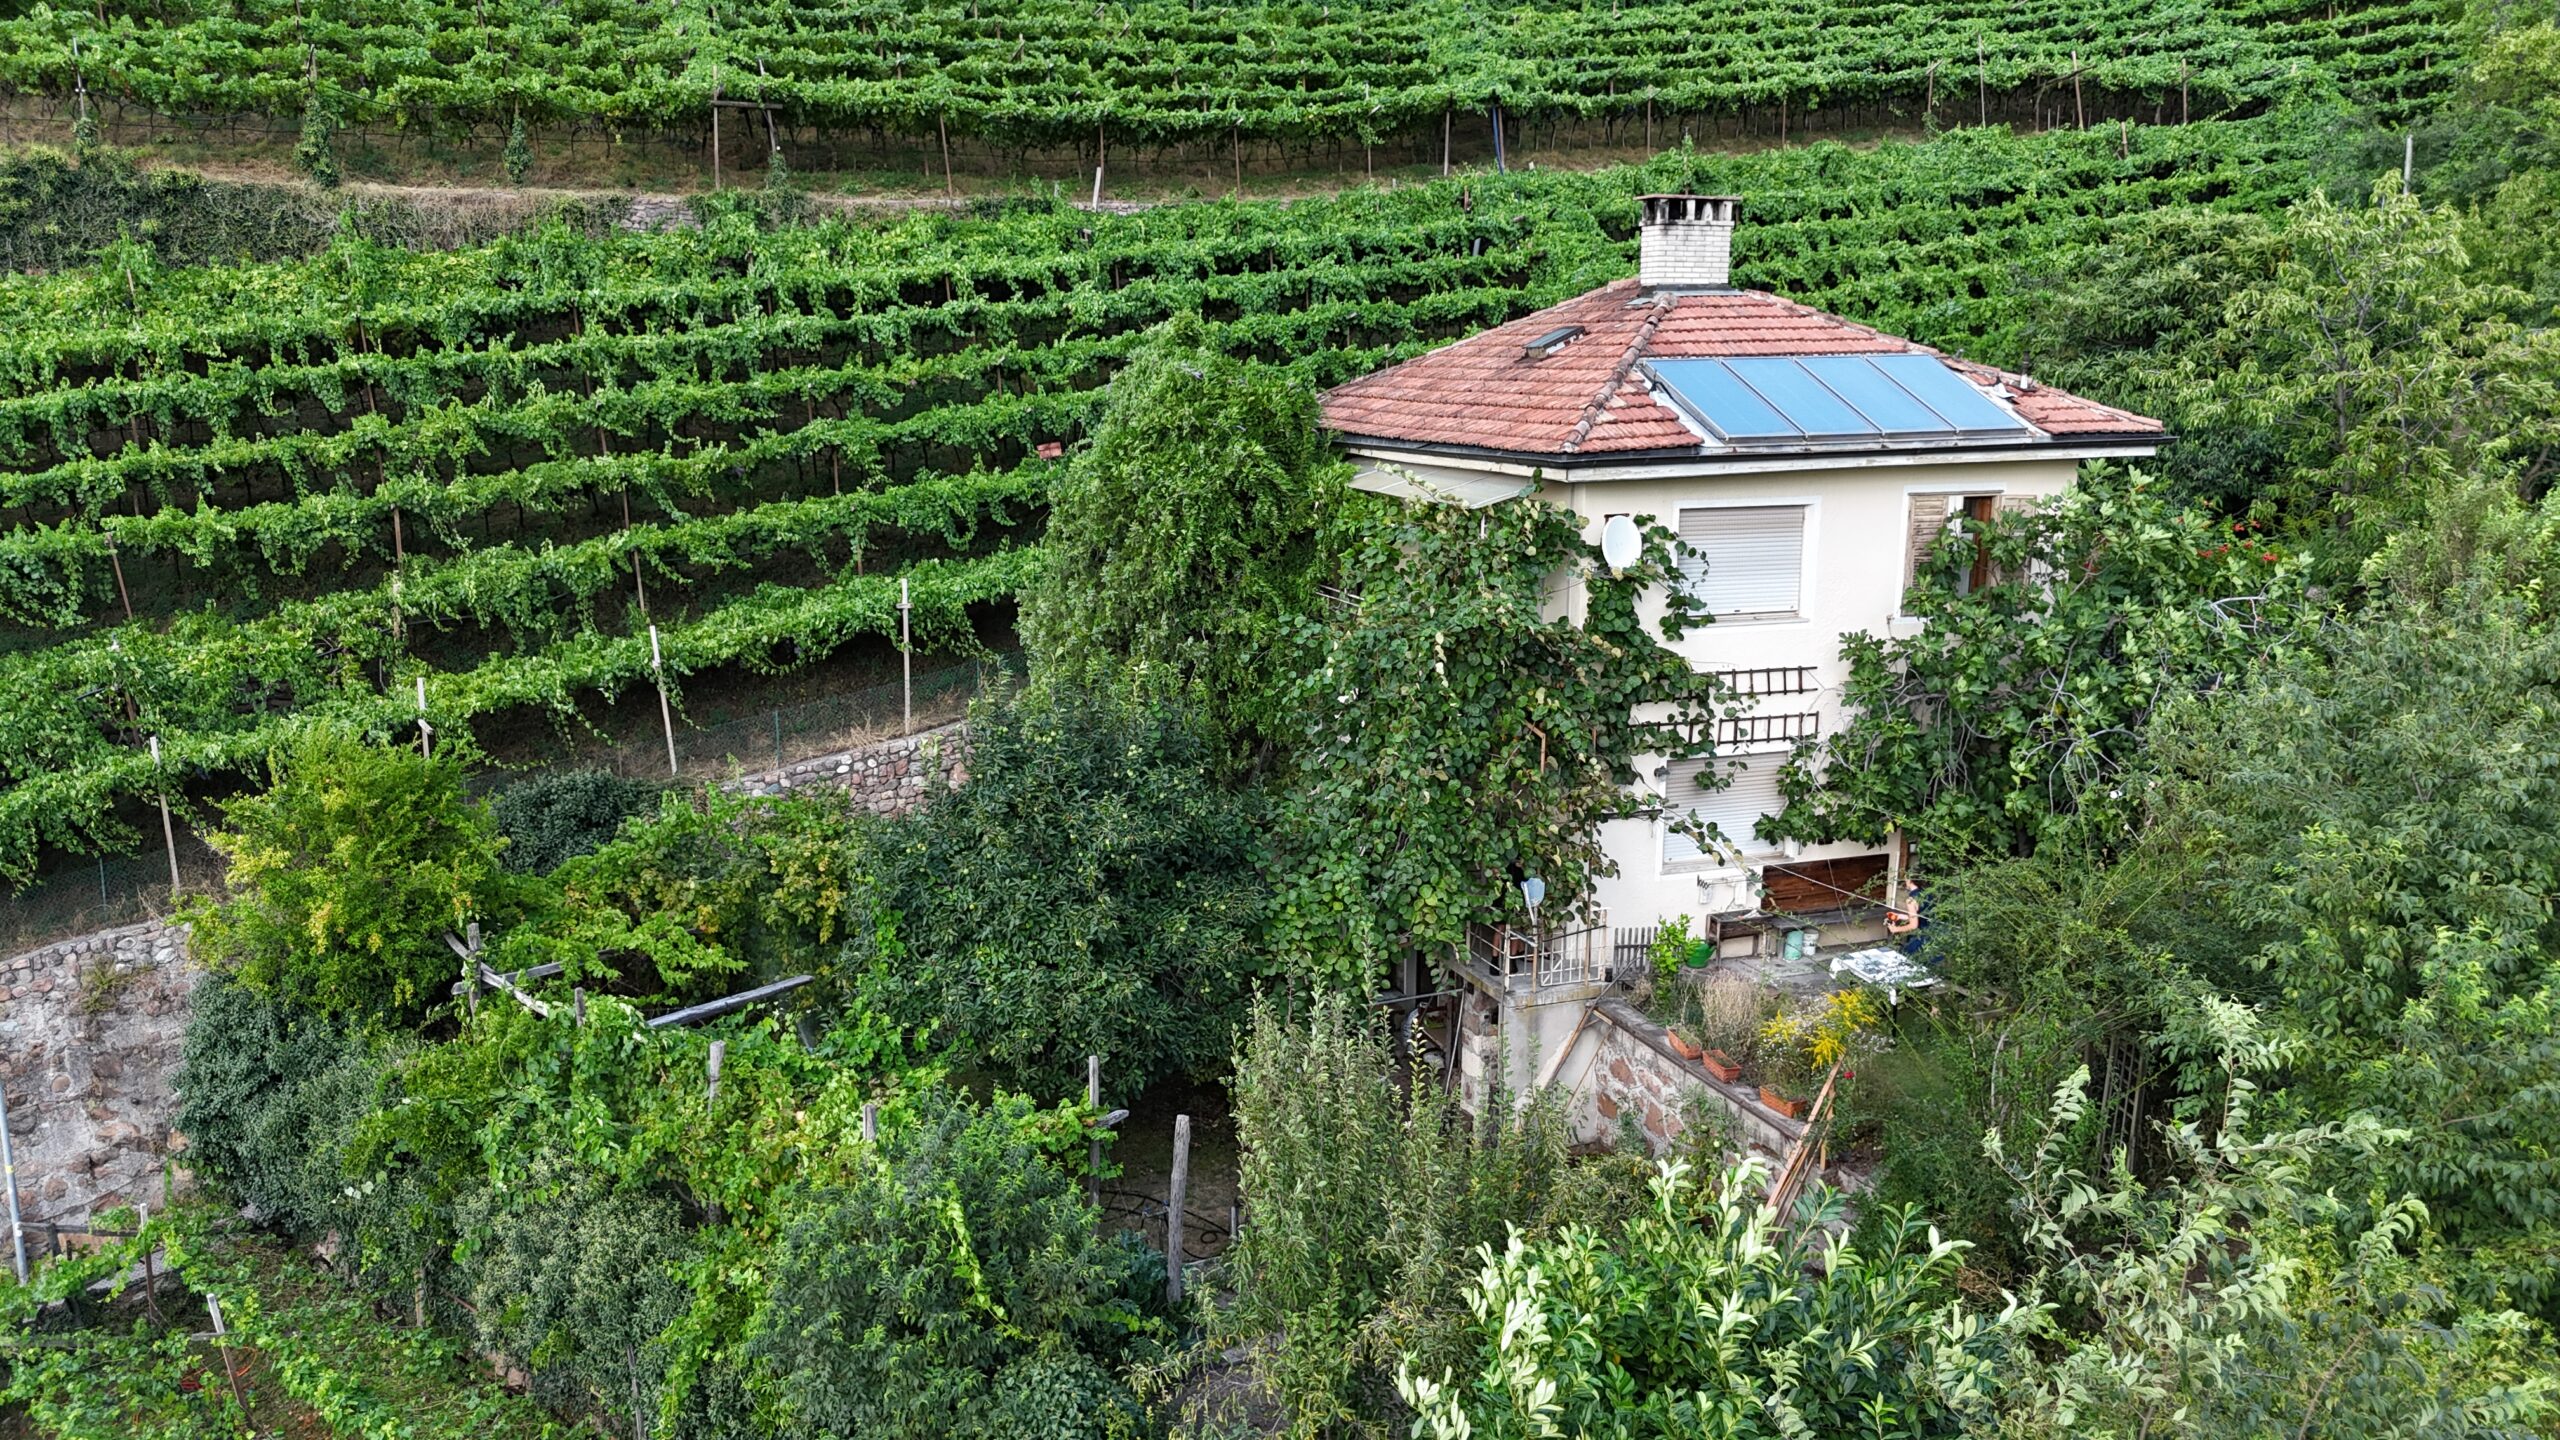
(1545,959)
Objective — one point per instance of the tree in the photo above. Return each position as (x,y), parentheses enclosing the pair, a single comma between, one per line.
(1457,735)
(2234,1296)
(2378,814)
(1091,890)
(1186,539)
(958,1288)
(2016,711)
(2380,369)
(1367,1202)
(1712,1316)
(346,874)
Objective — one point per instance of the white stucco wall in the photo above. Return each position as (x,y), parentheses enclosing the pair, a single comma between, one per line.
(1855,531)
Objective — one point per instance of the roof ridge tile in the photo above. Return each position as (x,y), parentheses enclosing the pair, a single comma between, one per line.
(1662,305)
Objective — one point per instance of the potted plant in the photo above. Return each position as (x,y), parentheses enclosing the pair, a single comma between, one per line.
(1727,1013)
(1786,1062)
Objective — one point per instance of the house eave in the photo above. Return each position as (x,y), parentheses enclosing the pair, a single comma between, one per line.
(1669,464)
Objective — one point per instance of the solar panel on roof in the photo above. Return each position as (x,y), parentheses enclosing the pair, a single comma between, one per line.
(1815,411)
(1962,402)
(1727,405)
(1825,398)
(1894,410)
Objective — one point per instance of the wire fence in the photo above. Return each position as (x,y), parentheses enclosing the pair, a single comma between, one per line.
(764,741)
(106,892)
(111,891)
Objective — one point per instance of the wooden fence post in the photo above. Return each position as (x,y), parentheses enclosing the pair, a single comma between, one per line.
(168,832)
(1093,1147)
(1173,1209)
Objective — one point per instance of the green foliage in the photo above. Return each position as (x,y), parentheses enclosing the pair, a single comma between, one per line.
(1186,539)
(2379,821)
(347,873)
(1367,1205)
(518,157)
(2012,716)
(268,1092)
(2378,369)
(712,888)
(1456,737)
(1091,890)
(2238,1298)
(579,1283)
(1708,1316)
(948,1290)
(562,814)
(312,153)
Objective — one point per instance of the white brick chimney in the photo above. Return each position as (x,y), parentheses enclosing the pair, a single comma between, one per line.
(1686,241)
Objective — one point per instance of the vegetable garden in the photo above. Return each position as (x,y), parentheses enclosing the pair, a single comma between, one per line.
(313,485)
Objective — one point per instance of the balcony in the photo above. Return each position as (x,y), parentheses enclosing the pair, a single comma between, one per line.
(1507,958)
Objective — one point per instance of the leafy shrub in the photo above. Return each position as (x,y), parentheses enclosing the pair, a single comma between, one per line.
(712,887)
(578,1282)
(1091,890)
(563,814)
(267,1093)
(1710,1316)
(1368,1207)
(345,875)
(920,1287)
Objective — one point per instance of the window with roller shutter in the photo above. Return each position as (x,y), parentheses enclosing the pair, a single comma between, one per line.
(1750,560)
(1733,810)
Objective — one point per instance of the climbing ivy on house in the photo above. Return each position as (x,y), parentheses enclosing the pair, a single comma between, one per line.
(1483,694)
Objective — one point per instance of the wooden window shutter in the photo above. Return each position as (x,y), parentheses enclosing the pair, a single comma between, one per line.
(2010,507)
(1928,522)
(1750,559)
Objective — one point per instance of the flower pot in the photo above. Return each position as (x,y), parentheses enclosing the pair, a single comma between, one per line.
(1793,1109)
(1721,1066)
(1681,1047)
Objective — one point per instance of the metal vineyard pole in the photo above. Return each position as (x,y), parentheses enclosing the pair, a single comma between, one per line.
(906,663)
(426,743)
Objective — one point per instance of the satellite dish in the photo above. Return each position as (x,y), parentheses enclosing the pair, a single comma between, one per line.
(1533,890)
(1621,544)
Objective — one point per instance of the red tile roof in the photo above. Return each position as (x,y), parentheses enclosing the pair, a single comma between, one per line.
(1586,399)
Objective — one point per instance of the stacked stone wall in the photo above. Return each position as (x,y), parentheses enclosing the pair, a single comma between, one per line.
(887,778)
(89,1037)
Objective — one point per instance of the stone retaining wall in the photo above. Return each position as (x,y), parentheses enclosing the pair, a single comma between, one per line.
(90,1027)
(888,778)
(89,1036)
(1634,1073)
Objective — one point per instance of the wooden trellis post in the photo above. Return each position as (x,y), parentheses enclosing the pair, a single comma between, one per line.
(1173,1209)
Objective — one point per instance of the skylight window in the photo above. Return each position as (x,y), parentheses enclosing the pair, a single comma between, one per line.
(1826,399)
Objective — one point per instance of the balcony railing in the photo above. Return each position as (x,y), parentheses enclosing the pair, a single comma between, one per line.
(1509,956)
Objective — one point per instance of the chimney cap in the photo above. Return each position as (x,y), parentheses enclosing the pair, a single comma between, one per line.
(1690,209)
